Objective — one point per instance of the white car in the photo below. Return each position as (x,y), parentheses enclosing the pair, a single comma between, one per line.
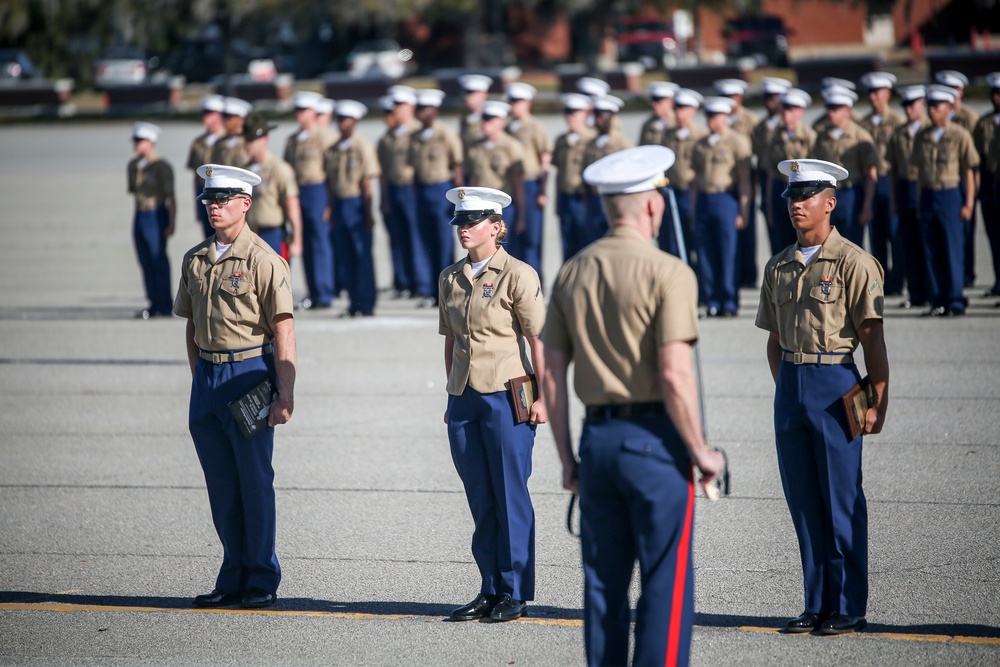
(381,57)
(123,65)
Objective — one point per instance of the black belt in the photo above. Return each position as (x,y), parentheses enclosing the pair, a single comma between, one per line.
(626,410)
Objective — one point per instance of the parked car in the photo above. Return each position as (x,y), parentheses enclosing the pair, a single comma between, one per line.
(762,38)
(647,40)
(380,57)
(16,64)
(203,59)
(124,65)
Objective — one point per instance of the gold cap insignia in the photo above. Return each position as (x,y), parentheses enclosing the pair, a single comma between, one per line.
(461,194)
(795,166)
(208,172)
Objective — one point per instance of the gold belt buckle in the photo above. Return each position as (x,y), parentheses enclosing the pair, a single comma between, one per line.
(797,358)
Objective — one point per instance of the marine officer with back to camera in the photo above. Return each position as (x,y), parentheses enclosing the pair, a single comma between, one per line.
(633,370)
(151,183)
(236,294)
(821,297)
(491,305)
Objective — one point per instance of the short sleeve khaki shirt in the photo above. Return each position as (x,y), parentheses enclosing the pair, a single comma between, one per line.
(534,137)
(652,130)
(233,300)
(488,315)
(270,197)
(232,151)
(900,149)
(941,164)
(151,181)
(568,158)
(394,154)
(744,121)
(882,132)
(716,165)
(818,308)
(435,153)
(494,164)
(201,153)
(787,145)
(305,151)
(613,305)
(853,149)
(681,140)
(605,144)
(349,162)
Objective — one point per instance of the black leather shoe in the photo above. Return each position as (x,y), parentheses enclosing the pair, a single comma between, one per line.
(478,608)
(839,625)
(256,599)
(508,609)
(805,622)
(216,598)
(939,311)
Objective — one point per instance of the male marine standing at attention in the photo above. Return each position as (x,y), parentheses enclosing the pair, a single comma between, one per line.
(201,150)
(820,298)
(236,294)
(642,435)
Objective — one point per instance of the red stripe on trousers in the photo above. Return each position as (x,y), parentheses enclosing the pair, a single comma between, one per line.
(680,580)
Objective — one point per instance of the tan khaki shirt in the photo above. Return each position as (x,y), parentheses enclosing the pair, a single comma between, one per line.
(277,186)
(760,139)
(488,315)
(605,144)
(942,164)
(348,163)
(982,138)
(305,151)
(744,121)
(435,153)
(652,130)
(233,300)
(966,118)
(785,146)
(900,150)
(470,129)
(716,166)
(494,164)
(882,133)
(534,137)
(394,154)
(151,181)
(681,141)
(854,150)
(201,153)
(231,151)
(568,157)
(818,308)
(613,305)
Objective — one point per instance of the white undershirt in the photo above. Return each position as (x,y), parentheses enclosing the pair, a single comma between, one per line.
(221,249)
(937,133)
(809,253)
(477,267)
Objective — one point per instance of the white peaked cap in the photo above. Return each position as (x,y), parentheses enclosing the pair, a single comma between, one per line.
(876,80)
(430,97)
(306,99)
(772,85)
(475,204)
(731,86)
(796,97)
(234,106)
(808,176)
(719,105)
(840,96)
(326,107)
(685,97)
(592,86)
(950,77)
(575,102)
(351,109)
(213,103)
(941,93)
(402,95)
(661,89)
(993,80)
(608,103)
(910,93)
(834,81)
(475,82)
(631,170)
(223,177)
(521,91)
(495,109)
(386,103)
(149,131)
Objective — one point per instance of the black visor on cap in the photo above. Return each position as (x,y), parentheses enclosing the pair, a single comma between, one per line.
(215,194)
(471,217)
(805,189)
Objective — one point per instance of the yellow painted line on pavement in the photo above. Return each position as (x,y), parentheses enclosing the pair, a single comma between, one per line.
(359,616)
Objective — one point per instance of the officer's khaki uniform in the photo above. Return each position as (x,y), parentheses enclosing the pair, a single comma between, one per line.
(817,310)
(233,301)
(494,164)
(277,186)
(232,151)
(151,183)
(487,316)
(653,128)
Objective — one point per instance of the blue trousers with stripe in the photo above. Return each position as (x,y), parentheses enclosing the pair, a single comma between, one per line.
(944,246)
(667,239)
(597,221)
(883,235)
(820,468)
(911,241)
(148,230)
(636,502)
(845,217)
(715,239)
(317,248)
(572,212)
(989,203)
(527,246)
(238,473)
(401,223)
(434,213)
(492,454)
(353,246)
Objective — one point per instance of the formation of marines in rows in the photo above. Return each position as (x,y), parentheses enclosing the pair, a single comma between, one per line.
(914,180)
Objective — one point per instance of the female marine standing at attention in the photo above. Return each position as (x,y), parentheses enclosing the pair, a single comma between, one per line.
(488,302)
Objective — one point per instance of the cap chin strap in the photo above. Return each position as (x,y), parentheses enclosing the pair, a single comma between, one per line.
(806,189)
(472,217)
